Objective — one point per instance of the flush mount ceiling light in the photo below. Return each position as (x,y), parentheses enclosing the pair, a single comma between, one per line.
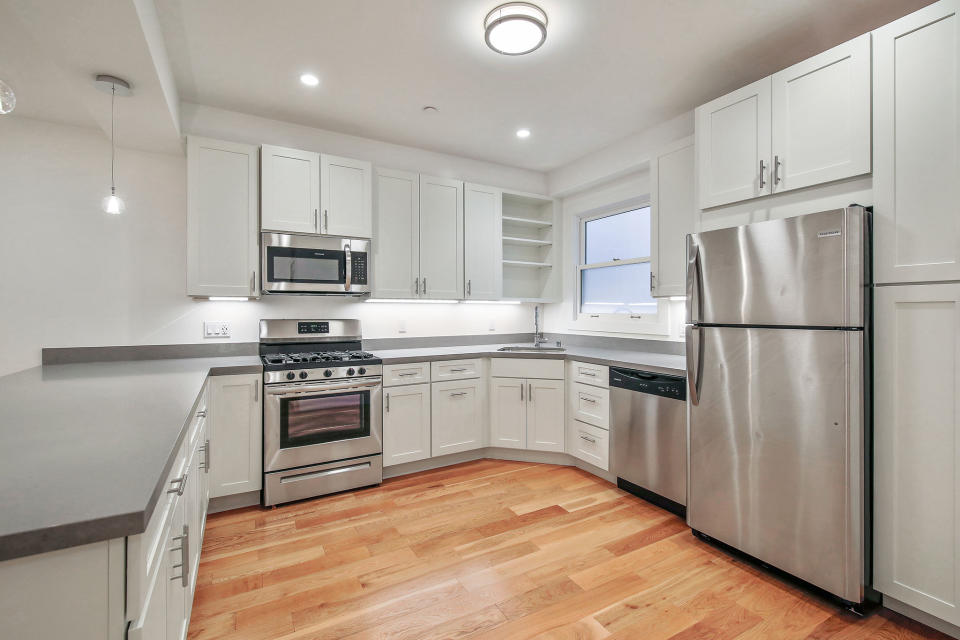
(115,87)
(309,79)
(7,99)
(515,28)
(523,133)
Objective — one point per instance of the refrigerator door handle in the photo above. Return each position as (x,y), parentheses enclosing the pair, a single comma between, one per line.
(694,363)
(694,281)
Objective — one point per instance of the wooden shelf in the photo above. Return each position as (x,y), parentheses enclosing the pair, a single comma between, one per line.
(526,263)
(530,222)
(526,242)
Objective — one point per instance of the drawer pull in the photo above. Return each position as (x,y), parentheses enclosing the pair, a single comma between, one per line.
(458,370)
(181,483)
(590,400)
(588,439)
(588,373)
(459,393)
(310,475)
(406,375)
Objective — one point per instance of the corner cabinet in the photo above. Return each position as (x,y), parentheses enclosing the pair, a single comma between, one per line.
(527,414)
(917,447)
(805,125)
(482,207)
(916,138)
(235,444)
(673,211)
(222,224)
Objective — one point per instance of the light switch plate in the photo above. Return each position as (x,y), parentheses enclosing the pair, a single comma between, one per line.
(216,329)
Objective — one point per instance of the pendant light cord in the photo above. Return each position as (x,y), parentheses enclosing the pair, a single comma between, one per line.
(113,97)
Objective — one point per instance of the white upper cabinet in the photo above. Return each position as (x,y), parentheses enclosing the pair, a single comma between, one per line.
(441,238)
(290,181)
(821,117)
(916,137)
(482,248)
(396,240)
(917,447)
(673,211)
(733,145)
(346,202)
(222,230)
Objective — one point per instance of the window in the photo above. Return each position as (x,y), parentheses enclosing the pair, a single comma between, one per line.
(613,273)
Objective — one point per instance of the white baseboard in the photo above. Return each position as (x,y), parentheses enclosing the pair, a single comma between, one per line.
(921,616)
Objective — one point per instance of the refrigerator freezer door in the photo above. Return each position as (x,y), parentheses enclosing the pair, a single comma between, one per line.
(776,450)
(806,271)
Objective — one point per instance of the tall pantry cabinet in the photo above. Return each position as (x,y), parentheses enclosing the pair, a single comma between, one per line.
(916,182)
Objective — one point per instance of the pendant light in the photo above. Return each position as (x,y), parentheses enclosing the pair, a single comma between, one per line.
(7,99)
(113,204)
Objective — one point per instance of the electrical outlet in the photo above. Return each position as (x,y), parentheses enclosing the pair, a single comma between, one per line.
(216,329)
(402,326)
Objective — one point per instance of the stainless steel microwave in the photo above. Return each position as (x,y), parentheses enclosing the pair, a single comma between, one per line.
(296,263)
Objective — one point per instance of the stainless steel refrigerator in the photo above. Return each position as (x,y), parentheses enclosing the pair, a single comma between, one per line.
(777,359)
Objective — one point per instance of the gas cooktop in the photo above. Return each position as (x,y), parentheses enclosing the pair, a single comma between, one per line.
(309,359)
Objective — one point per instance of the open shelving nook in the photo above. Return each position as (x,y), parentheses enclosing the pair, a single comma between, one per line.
(530,250)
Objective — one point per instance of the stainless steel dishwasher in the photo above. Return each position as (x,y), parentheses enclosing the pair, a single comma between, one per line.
(648,436)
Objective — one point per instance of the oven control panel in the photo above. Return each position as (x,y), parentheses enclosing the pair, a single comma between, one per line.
(313,327)
(329,374)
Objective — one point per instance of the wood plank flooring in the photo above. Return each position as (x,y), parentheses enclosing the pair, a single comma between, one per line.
(499,550)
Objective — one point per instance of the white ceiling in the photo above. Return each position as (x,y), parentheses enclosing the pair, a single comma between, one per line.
(608,68)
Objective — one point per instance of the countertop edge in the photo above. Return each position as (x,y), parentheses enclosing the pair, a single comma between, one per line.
(566,356)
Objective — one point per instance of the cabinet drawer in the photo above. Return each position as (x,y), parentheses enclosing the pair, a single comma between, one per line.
(455,369)
(591,405)
(597,375)
(541,369)
(590,444)
(412,373)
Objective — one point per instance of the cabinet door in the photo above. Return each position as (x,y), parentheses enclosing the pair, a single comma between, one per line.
(545,416)
(482,246)
(236,435)
(821,117)
(916,137)
(222,229)
(177,561)
(396,243)
(917,447)
(733,145)
(152,623)
(458,416)
(406,424)
(672,213)
(346,200)
(291,189)
(441,238)
(508,419)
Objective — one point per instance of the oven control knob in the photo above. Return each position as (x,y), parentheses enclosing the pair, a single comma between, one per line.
(291,375)
(361,371)
(327,373)
(350,371)
(303,374)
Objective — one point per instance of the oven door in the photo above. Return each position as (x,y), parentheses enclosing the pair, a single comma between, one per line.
(305,264)
(314,422)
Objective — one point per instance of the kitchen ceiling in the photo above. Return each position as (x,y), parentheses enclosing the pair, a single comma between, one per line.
(608,68)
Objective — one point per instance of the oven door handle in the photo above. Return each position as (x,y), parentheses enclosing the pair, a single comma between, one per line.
(313,389)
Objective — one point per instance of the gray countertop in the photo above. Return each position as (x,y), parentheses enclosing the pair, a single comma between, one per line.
(655,362)
(84,448)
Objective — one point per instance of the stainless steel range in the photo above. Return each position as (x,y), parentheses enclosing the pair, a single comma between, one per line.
(322,421)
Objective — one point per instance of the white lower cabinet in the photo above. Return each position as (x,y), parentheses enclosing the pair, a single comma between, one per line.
(526,414)
(917,447)
(236,434)
(590,444)
(175,574)
(458,416)
(406,424)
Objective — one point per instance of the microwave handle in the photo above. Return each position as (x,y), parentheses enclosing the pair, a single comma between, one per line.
(349,259)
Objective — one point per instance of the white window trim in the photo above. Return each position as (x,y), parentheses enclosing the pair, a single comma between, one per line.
(655,324)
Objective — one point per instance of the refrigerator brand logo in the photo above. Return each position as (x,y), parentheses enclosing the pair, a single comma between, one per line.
(828,234)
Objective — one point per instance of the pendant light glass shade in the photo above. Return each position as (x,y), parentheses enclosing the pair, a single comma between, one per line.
(515,28)
(8,101)
(113,204)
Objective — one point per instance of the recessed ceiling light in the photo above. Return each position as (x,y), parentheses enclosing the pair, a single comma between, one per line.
(309,79)
(515,28)
(523,133)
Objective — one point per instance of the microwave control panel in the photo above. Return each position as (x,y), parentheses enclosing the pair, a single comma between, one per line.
(358,267)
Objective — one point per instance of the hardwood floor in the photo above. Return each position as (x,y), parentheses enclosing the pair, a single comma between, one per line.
(499,550)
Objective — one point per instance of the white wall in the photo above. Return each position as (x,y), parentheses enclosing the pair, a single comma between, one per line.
(75,276)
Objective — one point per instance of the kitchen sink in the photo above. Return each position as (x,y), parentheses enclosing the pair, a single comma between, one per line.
(532,348)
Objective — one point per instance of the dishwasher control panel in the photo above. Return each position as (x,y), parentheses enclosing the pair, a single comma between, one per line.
(657,384)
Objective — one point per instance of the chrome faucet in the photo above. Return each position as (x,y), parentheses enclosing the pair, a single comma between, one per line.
(538,338)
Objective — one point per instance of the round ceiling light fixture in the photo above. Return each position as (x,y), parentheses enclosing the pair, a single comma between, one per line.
(7,98)
(515,28)
(309,79)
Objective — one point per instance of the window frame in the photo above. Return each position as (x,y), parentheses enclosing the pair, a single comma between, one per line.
(657,323)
